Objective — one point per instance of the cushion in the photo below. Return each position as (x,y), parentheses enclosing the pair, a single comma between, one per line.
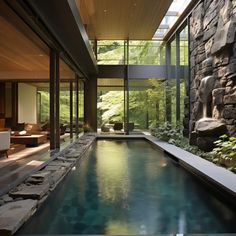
(19,127)
(33,127)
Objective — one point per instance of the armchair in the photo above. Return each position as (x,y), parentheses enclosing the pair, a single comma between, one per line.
(4,142)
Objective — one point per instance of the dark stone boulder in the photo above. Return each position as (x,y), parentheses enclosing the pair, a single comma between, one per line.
(210,128)
(206,143)
(193,138)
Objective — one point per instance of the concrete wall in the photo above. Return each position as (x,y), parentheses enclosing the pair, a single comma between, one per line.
(27,103)
(213,68)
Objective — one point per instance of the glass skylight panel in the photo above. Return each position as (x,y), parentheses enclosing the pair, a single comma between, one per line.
(169,19)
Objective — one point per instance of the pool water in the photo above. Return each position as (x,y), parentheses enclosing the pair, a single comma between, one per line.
(130,187)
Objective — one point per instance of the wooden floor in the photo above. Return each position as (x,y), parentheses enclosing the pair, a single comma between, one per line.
(19,165)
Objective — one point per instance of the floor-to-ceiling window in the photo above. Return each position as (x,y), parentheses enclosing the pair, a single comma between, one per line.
(110,104)
(146,103)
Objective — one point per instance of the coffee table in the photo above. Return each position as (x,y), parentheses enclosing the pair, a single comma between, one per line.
(29,140)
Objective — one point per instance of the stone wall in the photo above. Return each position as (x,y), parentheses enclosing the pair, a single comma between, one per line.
(213,71)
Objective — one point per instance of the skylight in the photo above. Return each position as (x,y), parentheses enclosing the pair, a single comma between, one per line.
(175,10)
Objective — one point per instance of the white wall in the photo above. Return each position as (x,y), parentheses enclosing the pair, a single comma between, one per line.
(27,103)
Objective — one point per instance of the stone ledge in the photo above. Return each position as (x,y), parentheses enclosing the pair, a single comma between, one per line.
(213,173)
(38,186)
(14,214)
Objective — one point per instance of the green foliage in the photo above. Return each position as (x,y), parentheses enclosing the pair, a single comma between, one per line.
(111,106)
(224,153)
(43,107)
(174,136)
(167,133)
(146,107)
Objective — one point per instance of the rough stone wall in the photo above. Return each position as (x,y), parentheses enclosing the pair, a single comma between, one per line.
(213,64)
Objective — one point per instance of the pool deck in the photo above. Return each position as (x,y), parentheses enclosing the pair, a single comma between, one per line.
(207,170)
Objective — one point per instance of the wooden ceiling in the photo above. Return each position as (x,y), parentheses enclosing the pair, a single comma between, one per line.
(122,19)
(23,56)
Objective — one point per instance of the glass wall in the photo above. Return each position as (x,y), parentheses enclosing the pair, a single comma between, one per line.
(146,52)
(184,63)
(110,103)
(140,52)
(146,103)
(110,52)
(24,58)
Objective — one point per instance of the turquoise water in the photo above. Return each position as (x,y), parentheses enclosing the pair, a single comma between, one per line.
(130,187)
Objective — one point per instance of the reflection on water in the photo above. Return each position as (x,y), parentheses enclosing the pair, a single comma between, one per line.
(112,173)
(128,187)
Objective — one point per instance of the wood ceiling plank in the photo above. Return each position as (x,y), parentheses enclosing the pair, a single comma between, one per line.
(123,19)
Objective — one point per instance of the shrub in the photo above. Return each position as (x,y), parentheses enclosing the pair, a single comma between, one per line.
(224,153)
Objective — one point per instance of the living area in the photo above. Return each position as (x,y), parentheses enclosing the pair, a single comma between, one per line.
(34,119)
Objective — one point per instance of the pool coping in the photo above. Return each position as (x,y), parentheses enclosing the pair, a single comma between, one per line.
(209,172)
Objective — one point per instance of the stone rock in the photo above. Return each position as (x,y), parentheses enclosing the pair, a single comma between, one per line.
(209,127)
(206,143)
(74,154)
(66,159)
(208,46)
(229,113)
(54,168)
(209,33)
(218,96)
(231,130)
(216,114)
(41,174)
(196,24)
(193,138)
(39,177)
(60,163)
(14,214)
(230,99)
(211,12)
(229,122)
(224,36)
(6,198)
(31,191)
(221,59)
(225,12)
(56,178)
(205,88)
(223,81)
(221,72)
(232,77)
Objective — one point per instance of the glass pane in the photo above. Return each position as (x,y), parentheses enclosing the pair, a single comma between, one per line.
(146,103)
(110,52)
(146,52)
(110,107)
